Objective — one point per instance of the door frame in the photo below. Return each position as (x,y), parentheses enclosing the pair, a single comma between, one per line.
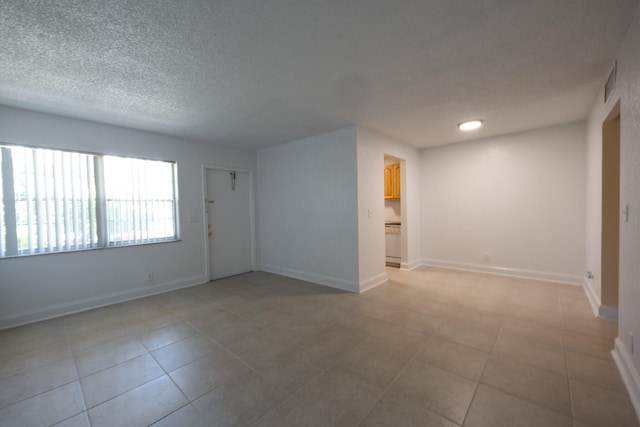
(404,236)
(205,217)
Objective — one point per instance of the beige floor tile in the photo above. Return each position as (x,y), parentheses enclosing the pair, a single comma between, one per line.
(166,335)
(180,353)
(323,313)
(424,304)
(261,313)
(293,412)
(536,333)
(258,347)
(527,351)
(83,329)
(21,386)
(290,370)
(576,307)
(542,317)
(595,371)
(418,321)
(326,346)
(80,420)
(539,386)
(423,339)
(299,327)
(203,375)
(440,391)
(239,402)
(601,407)
(376,309)
(592,326)
(187,416)
(457,358)
(378,361)
(85,342)
(15,363)
(141,406)
(403,411)
(107,355)
(587,344)
(493,408)
(468,332)
(341,396)
(45,409)
(29,337)
(118,379)
(223,326)
(365,326)
(147,324)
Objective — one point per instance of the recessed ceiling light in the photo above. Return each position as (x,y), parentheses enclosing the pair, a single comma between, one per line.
(470,125)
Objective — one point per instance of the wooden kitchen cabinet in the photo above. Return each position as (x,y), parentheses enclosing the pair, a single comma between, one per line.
(392,182)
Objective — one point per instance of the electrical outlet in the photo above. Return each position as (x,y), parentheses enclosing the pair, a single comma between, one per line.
(150,276)
(487,257)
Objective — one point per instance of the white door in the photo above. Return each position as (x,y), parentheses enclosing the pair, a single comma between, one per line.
(229,225)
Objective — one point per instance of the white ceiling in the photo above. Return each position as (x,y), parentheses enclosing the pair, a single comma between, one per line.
(256,73)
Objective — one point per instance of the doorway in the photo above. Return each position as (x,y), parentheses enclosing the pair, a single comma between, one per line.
(394,211)
(229,214)
(610,257)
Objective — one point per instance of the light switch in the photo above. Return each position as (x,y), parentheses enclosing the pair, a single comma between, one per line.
(192,218)
(370,213)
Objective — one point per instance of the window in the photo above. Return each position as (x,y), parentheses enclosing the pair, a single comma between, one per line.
(54,201)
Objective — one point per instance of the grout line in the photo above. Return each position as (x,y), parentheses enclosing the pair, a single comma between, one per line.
(75,364)
(484,368)
(393,381)
(566,363)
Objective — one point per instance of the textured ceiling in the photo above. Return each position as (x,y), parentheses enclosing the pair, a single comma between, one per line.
(256,73)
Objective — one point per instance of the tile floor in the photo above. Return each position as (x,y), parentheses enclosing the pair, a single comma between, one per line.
(430,347)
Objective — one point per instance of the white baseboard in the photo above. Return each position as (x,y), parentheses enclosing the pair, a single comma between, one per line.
(504,271)
(312,277)
(50,312)
(372,282)
(607,312)
(594,299)
(599,309)
(628,373)
(410,265)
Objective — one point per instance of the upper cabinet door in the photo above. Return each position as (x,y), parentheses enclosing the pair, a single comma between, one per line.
(392,182)
(388,182)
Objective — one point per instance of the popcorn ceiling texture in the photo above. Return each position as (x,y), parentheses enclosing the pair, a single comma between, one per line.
(255,73)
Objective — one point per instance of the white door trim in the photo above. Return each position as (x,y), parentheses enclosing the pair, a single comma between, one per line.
(252,232)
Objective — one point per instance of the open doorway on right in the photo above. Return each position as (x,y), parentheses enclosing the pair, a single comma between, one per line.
(610,261)
(393,211)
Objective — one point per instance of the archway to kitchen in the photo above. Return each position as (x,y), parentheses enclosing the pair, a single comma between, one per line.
(395,211)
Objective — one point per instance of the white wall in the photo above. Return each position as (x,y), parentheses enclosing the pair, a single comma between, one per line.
(593,239)
(42,286)
(628,92)
(519,198)
(307,204)
(372,148)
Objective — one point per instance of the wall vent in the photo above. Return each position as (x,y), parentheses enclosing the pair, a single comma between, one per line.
(610,85)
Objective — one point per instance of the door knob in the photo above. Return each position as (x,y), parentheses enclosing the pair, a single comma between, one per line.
(210,233)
